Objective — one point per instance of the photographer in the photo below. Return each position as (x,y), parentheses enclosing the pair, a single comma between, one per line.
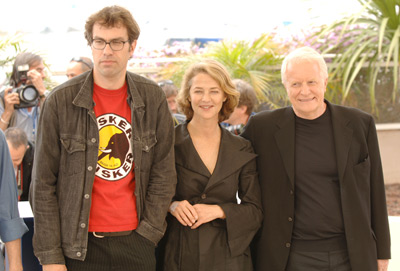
(15,111)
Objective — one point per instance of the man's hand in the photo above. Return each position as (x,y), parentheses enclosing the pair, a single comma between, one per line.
(37,80)
(383,265)
(54,267)
(10,99)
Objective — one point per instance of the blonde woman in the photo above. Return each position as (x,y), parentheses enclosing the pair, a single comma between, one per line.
(209,229)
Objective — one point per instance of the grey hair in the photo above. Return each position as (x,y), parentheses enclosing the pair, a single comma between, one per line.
(16,136)
(302,54)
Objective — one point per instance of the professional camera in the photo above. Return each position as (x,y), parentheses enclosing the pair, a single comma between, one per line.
(28,94)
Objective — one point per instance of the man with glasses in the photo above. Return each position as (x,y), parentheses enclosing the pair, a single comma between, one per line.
(14,111)
(106,139)
(78,65)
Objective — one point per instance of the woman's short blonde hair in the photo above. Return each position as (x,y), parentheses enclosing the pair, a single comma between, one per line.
(220,74)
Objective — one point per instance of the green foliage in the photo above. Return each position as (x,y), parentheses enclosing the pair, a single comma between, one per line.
(9,48)
(257,62)
(368,39)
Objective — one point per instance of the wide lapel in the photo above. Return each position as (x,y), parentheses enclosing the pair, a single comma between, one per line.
(342,134)
(230,158)
(186,154)
(285,140)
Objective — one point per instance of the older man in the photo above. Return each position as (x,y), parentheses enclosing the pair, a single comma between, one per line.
(321,179)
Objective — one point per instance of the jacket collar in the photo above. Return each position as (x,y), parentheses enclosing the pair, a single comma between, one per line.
(285,138)
(231,156)
(84,98)
(342,134)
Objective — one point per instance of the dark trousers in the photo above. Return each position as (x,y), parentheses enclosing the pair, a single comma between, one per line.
(319,261)
(120,253)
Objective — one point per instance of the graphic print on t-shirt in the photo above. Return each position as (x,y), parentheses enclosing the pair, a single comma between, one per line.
(115,153)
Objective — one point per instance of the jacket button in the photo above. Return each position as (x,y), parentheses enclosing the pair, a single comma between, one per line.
(146,148)
(86,196)
(78,254)
(83,225)
(90,168)
(93,140)
(291,192)
(290,219)
(204,196)
(287,245)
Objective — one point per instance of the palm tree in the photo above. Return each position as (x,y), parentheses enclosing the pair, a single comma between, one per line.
(9,43)
(368,39)
(9,48)
(257,62)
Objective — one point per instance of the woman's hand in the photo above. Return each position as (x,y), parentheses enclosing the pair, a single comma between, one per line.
(207,213)
(184,212)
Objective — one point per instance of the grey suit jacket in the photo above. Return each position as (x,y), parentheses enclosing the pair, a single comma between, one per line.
(272,134)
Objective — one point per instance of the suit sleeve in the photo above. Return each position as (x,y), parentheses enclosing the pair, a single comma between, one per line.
(379,216)
(243,220)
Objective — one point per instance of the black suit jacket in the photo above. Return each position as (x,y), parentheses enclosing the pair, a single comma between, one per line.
(27,166)
(362,189)
(219,244)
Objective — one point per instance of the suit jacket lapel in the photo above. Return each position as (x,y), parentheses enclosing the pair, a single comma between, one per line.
(230,159)
(285,140)
(342,134)
(186,154)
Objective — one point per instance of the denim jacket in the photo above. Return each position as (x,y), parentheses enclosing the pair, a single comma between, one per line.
(66,158)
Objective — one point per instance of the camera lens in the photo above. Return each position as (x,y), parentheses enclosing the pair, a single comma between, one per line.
(29,94)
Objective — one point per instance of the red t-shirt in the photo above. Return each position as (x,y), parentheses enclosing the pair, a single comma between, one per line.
(113,195)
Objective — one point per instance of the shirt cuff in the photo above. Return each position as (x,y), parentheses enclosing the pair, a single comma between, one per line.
(13,229)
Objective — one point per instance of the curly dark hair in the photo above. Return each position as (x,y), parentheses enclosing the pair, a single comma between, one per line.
(110,17)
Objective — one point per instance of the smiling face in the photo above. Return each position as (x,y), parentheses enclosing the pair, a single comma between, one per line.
(111,65)
(206,97)
(306,87)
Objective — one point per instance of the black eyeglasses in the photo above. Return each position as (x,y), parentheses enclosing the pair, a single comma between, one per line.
(115,45)
(78,59)
(165,82)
